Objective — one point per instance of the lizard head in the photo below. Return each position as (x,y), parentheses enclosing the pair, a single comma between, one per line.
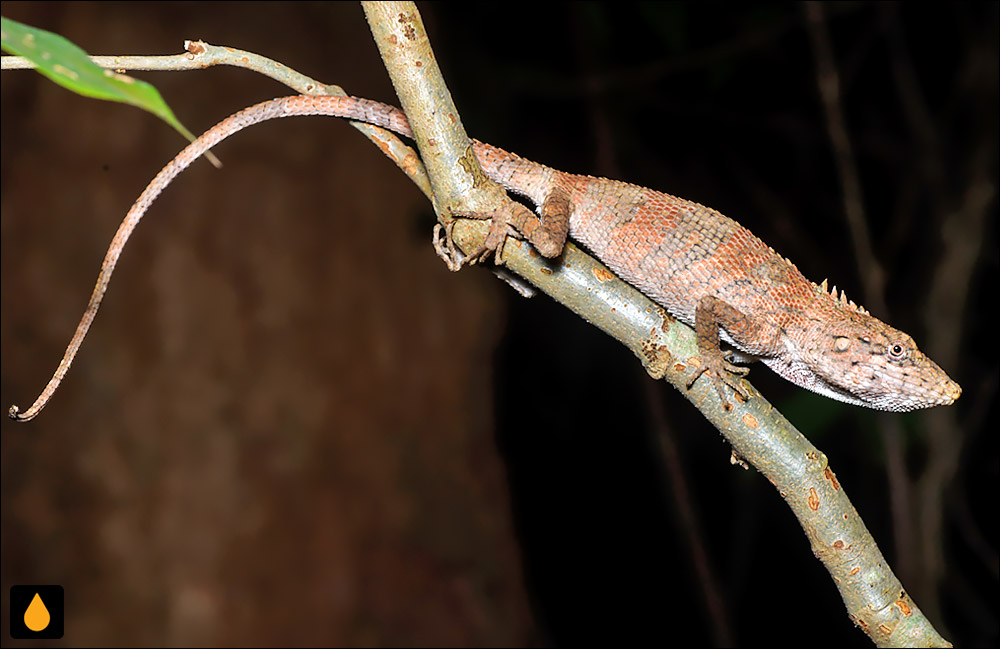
(854,357)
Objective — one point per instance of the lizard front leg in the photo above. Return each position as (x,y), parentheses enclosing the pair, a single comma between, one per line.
(711,314)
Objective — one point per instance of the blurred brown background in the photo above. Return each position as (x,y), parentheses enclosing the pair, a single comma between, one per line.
(290,424)
(280,432)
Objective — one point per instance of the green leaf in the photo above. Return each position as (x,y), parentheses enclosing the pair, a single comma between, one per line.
(71,67)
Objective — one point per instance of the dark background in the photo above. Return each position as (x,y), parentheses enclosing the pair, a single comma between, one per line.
(291,424)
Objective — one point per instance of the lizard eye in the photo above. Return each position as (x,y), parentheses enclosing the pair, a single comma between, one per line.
(897,351)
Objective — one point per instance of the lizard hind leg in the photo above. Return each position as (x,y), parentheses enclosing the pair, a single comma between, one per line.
(551,229)
(547,231)
(501,227)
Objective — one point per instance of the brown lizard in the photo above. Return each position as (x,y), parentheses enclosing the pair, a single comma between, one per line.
(704,268)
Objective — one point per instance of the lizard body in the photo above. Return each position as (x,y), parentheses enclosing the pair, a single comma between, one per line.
(713,274)
(704,268)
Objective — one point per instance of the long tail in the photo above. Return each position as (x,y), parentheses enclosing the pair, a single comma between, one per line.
(355,108)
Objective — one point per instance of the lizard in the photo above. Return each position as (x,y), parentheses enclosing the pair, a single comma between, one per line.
(704,268)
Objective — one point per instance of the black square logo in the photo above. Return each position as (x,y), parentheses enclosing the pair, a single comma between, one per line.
(36,612)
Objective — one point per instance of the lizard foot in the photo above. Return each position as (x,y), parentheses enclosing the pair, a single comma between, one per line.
(720,370)
(446,249)
(455,259)
(546,232)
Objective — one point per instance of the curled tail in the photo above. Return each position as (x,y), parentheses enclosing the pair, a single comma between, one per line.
(364,110)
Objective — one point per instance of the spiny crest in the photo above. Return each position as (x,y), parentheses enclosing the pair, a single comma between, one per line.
(842,299)
(786,259)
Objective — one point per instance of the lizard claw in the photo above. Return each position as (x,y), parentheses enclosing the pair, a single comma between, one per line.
(446,249)
(721,371)
(455,259)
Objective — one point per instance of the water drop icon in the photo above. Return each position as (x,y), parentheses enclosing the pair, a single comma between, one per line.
(36,617)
